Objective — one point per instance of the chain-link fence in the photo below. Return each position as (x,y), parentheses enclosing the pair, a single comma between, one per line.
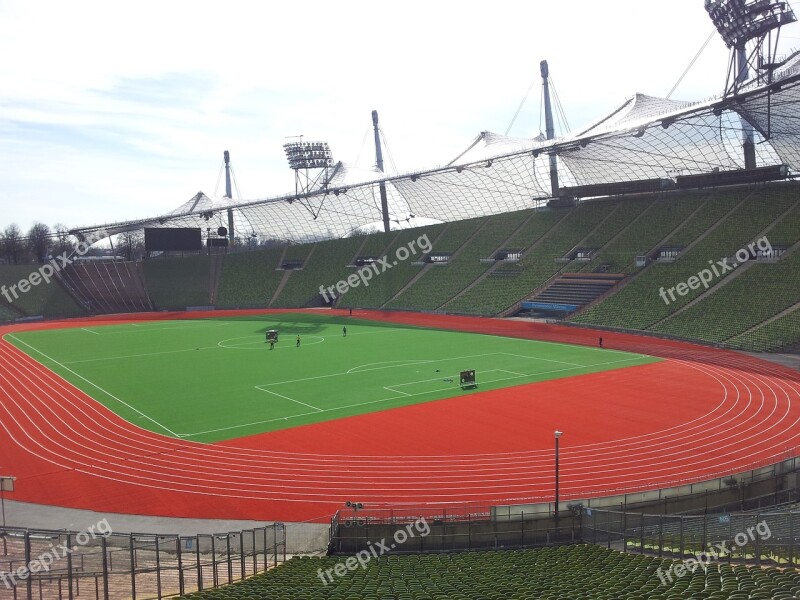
(44,565)
(756,537)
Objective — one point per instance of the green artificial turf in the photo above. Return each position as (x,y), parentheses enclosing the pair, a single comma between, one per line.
(216,379)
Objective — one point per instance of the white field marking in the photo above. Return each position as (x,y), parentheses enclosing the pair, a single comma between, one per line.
(109,394)
(518,374)
(681,426)
(385,330)
(356,369)
(561,362)
(262,344)
(596,350)
(196,433)
(442,378)
(90,331)
(124,356)
(142,329)
(289,399)
(324,410)
(574,346)
(391,363)
(614,362)
(454,377)
(751,436)
(389,389)
(404,394)
(391,366)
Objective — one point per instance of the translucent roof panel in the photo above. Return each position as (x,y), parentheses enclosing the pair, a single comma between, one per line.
(644,138)
(636,110)
(694,144)
(493,186)
(777,117)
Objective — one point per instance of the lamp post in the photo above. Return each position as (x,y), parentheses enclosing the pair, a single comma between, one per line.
(557,434)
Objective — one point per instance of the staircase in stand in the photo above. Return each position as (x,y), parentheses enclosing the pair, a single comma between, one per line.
(108,287)
(571,291)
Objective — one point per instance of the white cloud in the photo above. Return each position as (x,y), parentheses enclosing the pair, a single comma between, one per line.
(116,111)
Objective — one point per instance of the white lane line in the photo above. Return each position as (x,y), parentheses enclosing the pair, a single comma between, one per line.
(109,394)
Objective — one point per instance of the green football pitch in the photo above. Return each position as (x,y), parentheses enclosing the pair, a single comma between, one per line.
(216,379)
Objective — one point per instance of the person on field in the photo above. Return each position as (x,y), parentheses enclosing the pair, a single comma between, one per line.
(272,344)
(344,331)
(298,341)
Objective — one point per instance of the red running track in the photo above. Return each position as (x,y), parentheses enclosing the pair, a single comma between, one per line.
(699,414)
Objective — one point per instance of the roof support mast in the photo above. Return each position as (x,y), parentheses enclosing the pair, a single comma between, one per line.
(379,163)
(742,75)
(549,128)
(228,193)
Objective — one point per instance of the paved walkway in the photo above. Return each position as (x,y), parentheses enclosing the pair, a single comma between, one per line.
(300,537)
(787,360)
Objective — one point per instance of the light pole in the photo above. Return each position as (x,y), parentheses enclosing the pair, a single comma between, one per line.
(557,434)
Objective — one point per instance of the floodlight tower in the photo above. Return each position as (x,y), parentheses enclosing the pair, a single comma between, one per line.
(379,164)
(550,130)
(305,158)
(746,27)
(228,193)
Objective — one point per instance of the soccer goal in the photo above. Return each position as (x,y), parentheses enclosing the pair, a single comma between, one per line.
(467,379)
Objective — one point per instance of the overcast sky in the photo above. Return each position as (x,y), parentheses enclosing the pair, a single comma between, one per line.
(112,111)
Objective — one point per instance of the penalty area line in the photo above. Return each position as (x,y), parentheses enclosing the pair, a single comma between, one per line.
(381,400)
(289,399)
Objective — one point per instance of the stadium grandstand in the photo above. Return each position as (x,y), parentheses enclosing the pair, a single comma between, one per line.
(555,367)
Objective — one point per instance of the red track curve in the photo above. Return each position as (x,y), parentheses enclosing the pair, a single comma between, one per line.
(700,414)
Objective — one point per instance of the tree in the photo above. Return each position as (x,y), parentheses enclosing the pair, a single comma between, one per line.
(12,243)
(130,244)
(39,241)
(63,243)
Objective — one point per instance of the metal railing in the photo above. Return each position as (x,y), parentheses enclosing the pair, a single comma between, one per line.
(762,538)
(61,565)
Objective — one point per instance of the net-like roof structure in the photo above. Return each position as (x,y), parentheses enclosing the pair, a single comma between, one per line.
(644,138)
